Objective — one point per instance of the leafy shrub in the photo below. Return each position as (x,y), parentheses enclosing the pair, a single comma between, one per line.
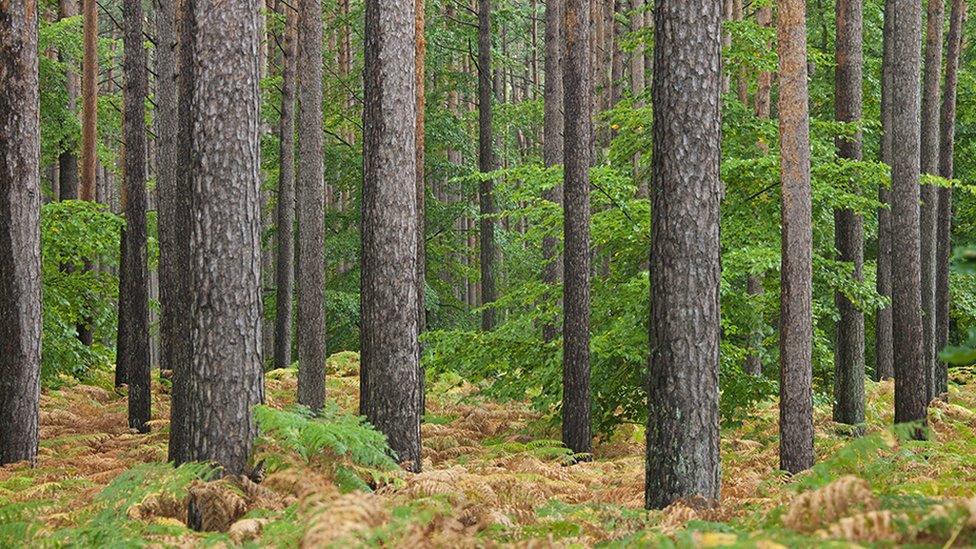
(79,251)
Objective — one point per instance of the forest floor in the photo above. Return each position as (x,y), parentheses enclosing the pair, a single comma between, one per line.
(493,476)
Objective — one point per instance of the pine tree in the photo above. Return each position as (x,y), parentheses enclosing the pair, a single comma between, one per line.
(796,328)
(225,377)
(388,303)
(20,253)
(683,418)
(848,225)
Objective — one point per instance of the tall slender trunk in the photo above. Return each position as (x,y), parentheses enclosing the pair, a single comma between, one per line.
(89,91)
(133,363)
(389,229)
(906,290)
(947,128)
(848,225)
(68,159)
(285,267)
(176,217)
(552,127)
(226,370)
(754,283)
(883,343)
(929,194)
(420,52)
(578,124)
(683,461)
(796,329)
(20,251)
(486,163)
(311,209)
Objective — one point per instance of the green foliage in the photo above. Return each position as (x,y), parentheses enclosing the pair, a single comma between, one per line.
(355,453)
(79,250)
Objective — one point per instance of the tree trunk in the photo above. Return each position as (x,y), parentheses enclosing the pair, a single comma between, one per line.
(486,163)
(947,128)
(929,194)
(552,129)
(176,201)
(420,48)
(764,84)
(20,253)
(906,291)
(796,329)
(285,267)
(391,400)
(226,371)
(683,460)
(133,363)
(848,226)
(883,345)
(68,159)
(89,91)
(578,125)
(311,209)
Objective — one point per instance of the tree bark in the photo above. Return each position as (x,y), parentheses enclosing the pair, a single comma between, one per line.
(420,49)
(285,265)
(133,363)
(947,130)
(929,194)
(683,460)
(486,163)
(68,159)
(89,91)
(848,225)
(226,371)
(176,202)
(391,399)
(552,129)
(20,253)
(883,344)
(796,329)
(311,209)
(906,291)
(578,124)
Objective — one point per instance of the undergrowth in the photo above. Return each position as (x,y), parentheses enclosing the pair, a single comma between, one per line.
(493,474)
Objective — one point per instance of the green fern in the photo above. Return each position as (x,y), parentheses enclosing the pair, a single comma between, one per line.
(357,453)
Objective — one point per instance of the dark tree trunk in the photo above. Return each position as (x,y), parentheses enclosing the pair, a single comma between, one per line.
(486,163)
(20,253)
(848,226)
(133,363)
(421,49)
(176,201)
(683,419)
(552,129)
(311,209)
(226,374)
(883,345)
(68,159)
(754,283)
(578,124)
(929,194)
(89,91)
(796,329)
(906,288)
(391,399)
(285,267)
(947,128)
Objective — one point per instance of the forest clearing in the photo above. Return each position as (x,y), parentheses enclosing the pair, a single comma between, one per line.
(492,476)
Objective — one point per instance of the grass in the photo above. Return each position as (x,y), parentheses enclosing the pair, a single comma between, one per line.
(493,475)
